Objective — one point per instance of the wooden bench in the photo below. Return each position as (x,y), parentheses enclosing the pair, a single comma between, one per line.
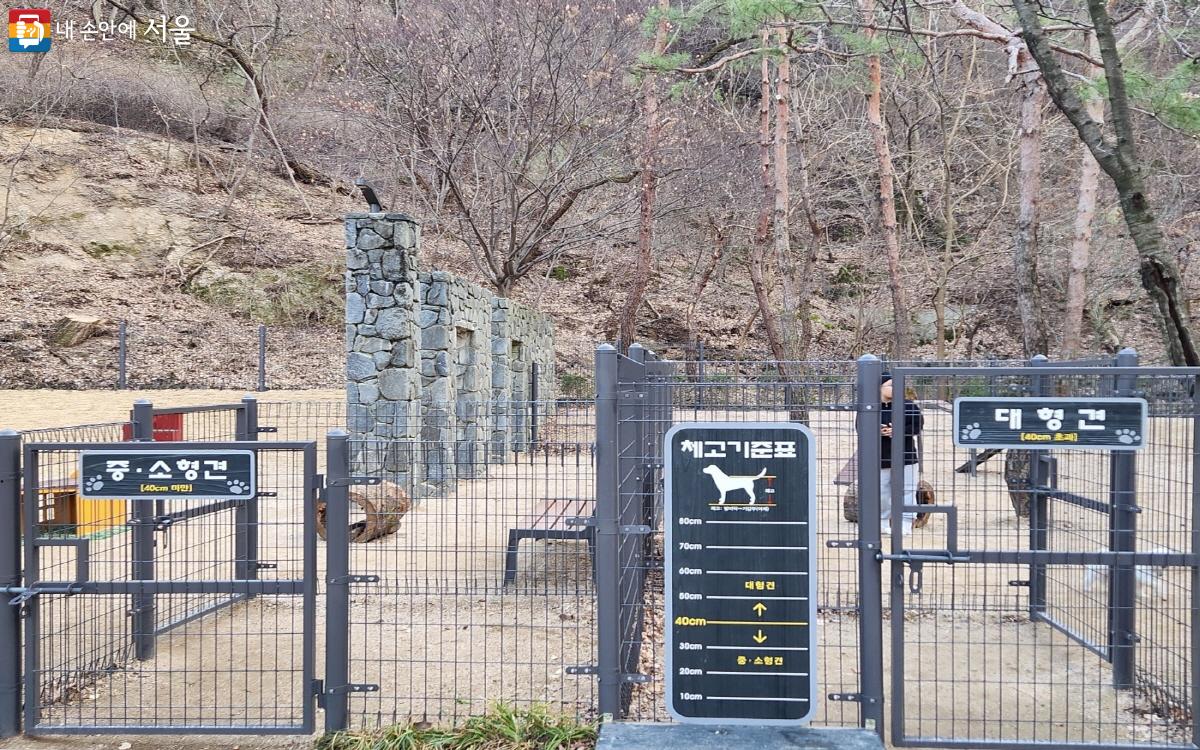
(551,522)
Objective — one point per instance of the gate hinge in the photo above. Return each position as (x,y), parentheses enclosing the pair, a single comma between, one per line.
(851,698)
(350,481)
(635,528)
(318,689)
(266,429)
(581,521)
(1019,583)
(635,678)
(266,565)
(855,543)
(583,669)
(354,687)
(355,579)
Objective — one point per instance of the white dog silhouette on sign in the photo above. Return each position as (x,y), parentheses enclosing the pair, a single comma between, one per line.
(726,484)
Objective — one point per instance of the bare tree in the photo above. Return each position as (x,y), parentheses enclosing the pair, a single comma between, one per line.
(1119,160)
(509,120)
(1085,207)
(648,165)
(902,328)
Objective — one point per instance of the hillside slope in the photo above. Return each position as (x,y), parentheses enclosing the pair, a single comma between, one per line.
(127,226)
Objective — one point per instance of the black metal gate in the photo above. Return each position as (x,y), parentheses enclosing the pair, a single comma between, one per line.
(1052,597)
(167,616)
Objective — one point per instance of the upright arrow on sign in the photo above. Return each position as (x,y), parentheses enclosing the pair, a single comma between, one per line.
(759,637)
(760,608)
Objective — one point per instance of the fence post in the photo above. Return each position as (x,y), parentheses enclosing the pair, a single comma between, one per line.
(608,601)
(535,371)
(870,568)
(1039,506)
(245,540)
(1123,538)
(1194,548)
(262,358)
(337,590)
(144,624)
(122,352)
(10,575)
(699,373)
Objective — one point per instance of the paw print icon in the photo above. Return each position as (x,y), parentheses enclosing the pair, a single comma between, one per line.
(1128,437)
(970,431)
(238,487)
(94,484)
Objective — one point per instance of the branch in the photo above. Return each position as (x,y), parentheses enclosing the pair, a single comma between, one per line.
(1062,91)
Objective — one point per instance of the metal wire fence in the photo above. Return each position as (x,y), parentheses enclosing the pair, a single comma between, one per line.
(479,585)
(472,569)
(1029,653)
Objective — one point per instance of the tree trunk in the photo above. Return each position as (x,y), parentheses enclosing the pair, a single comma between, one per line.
(1085,208)
(887,193)
(74,329)
(1085,214)
(720,241)
(382,508)
(782,189)
(763,228)
(1159,273)
(627,326)
(1025,247)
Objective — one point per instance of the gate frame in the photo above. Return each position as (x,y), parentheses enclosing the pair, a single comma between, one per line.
(1123,561)
(25,591)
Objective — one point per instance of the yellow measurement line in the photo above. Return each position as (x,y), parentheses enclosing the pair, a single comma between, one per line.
(752,622)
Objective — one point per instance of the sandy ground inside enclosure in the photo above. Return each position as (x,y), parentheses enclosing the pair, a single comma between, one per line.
(29,410)
(442,636)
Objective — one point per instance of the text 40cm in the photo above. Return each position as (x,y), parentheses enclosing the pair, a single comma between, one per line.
(690,621)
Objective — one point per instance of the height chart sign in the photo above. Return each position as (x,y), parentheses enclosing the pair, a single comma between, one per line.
(740,552)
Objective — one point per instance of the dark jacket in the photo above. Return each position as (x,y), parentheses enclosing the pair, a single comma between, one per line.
(913,422)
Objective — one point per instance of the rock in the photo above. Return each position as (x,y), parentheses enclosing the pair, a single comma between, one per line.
(356,259)
(394,323)
(393,267)
(368,393)
(360,366)
(371,344)
(378,301)
(383,287)
(435,337)
(426,318)
(369,240)
(74,329)
(356,308)
(441,364)
(395,385)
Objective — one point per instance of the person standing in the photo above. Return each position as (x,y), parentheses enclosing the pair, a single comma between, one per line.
(913,422)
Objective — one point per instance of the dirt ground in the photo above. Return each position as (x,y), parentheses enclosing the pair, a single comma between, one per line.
(442,636)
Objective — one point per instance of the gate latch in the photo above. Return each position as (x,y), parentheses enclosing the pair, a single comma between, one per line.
(354,687)
(916,577)
(351,481)
(850,698)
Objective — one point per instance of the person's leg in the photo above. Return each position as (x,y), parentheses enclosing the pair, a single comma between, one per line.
(885,501)
(910,495)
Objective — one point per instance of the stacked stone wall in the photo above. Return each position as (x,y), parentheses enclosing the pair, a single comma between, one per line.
(434,359)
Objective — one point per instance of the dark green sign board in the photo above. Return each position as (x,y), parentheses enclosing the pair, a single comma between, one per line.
(740,549)
(1032,422)
(217,474)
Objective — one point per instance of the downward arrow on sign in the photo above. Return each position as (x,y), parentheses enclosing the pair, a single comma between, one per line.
(760,608)
(759,637)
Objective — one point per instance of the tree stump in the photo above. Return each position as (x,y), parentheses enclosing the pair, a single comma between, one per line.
(925,496)
(74,329)
(384,507)
(1016,475)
